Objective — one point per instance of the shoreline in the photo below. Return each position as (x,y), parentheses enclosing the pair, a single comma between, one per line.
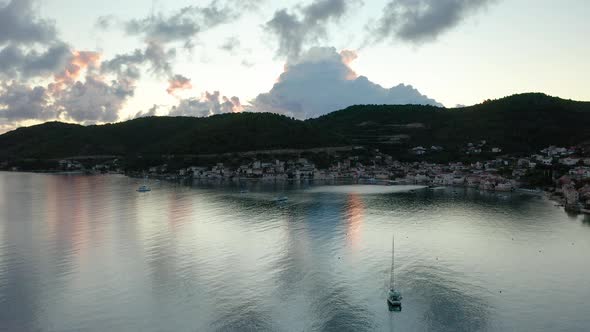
(549,195)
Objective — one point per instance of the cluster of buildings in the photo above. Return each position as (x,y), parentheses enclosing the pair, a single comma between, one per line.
(469,149)
(563,167)
(565,172)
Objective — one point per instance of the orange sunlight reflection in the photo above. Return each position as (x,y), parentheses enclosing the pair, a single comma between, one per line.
(354,219)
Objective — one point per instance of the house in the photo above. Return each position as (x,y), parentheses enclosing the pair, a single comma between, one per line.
(473,181)
(547,161)
(571,195)
(580,172)
(569,161)
(555,151)
(458,180)
(445,179)
(473,150)
(584,192)
(504,186)
(422,178)
(419,150)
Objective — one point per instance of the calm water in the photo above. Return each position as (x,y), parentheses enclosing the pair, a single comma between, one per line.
(90,254)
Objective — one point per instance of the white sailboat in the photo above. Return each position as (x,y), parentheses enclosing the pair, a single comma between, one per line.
(144,187)
(394,297)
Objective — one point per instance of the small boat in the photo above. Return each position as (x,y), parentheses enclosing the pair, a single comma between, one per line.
(281,199)
(394,297)
(143,188)
(244,191)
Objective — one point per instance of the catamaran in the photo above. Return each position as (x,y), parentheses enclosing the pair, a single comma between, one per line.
(394,297)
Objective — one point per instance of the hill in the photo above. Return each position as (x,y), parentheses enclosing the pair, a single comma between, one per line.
(518,124)
(165,135)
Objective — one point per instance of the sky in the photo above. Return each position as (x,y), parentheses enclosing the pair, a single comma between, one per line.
(104,61)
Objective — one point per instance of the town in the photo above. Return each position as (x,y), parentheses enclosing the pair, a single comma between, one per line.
(563,174)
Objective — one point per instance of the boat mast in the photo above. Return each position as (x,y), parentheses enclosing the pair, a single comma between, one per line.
(391,276)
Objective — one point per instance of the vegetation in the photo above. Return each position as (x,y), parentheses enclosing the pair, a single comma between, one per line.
(165,135)
(518,124)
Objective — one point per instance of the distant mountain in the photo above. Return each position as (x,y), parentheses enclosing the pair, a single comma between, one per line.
(519,123)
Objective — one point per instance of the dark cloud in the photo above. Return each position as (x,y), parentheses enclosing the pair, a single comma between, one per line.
(321,81)
(20,102)
(422,20)
(94,100)
(208,104)
(125,65)
(16,63)
(29,46)
(309,25)
(181,26)
(19,24)
(159,58)
(128,65)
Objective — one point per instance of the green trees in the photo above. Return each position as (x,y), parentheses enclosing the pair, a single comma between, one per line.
(517,124)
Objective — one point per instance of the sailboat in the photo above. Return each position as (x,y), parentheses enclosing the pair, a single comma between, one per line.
(394,297)
(144,187)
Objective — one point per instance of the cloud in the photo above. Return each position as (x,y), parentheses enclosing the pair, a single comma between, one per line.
(231,105)
(19,24)
(78,61)
(94,100)
(422,20)
(32,50)
(20,102)
(128,65)
(159,58)
(321,81)
(125,65)
(181,26)
(105,22)
(208,104)
(231,44)
(16,63)
(293,30)
(150,112)
(178,82)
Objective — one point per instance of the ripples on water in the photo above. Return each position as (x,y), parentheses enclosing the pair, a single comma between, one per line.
(91,254)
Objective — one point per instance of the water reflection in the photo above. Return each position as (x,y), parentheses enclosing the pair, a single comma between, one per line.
(19,302)
(448,304)
(90,253)
(354,218)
